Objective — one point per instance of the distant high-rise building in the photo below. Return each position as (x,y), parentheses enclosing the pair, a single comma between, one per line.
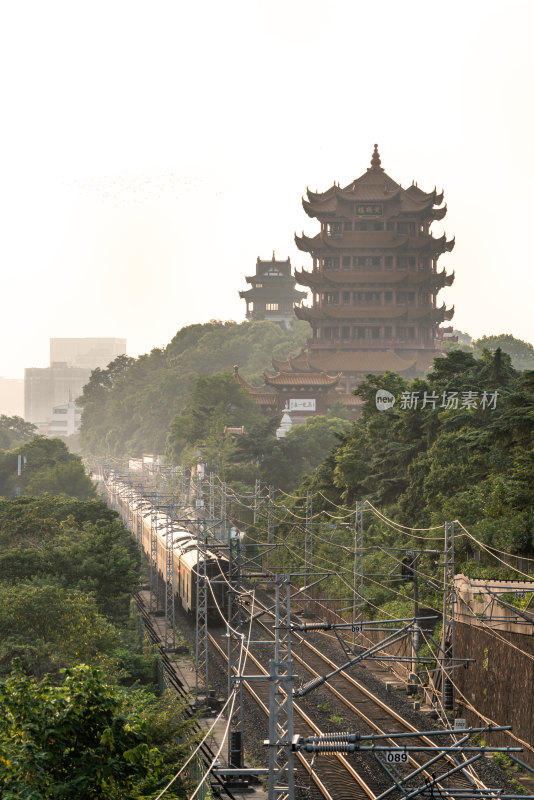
(71,364)
(89,352)
(47,387)
(65,419)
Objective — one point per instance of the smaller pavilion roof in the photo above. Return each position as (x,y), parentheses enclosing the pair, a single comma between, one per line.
(363,361)
(265,399)
(347,399)
(275,266)
(301,379)
(252,389)
(298,363)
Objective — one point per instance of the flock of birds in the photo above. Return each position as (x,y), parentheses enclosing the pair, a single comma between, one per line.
(130,187)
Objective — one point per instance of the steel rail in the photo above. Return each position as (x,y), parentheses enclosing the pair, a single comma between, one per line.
(473,778)
(320,785)
(348,767)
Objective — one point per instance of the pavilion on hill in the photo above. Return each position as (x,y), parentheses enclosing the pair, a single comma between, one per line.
(273,292)
(302,395)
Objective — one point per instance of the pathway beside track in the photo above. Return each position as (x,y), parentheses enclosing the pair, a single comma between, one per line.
(180,677)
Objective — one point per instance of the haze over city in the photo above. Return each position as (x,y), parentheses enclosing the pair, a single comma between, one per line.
(152,151)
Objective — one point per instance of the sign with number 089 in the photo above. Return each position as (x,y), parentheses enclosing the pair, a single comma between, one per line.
(396,756)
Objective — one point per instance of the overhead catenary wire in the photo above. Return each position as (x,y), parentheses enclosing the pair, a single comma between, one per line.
(488,550)
(398,525)
(293,518)
(322,560)
(327,562)
(197,748)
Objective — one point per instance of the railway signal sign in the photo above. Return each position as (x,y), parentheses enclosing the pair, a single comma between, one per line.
(396,756)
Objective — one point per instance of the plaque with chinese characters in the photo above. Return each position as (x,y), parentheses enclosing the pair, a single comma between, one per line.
(368,209)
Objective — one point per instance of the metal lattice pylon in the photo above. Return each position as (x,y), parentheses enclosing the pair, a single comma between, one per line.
(128,510)
(235,642)
(222,529)
(139,519)
(201,629)
(169,642)
(182,490)
(448,619)
(270,516)
(212,498)
(358,555)
(153,557)
(257,499)
(281,757)
(308,538)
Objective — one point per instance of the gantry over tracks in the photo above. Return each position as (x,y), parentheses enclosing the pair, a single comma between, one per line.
(441,761)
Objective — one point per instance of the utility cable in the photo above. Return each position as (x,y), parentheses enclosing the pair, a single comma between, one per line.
(490,631)
(197,748)
(488,550)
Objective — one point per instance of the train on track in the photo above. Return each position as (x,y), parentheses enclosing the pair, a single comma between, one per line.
(159,534)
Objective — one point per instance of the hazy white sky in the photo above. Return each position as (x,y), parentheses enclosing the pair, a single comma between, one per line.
(152,150)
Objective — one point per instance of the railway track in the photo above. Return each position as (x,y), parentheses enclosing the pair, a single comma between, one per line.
(335,778)
(364,712)
(338,776)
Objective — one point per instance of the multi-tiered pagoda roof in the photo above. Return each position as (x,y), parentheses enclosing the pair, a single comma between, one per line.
(374,278)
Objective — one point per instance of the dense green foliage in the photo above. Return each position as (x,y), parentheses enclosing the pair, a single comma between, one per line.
(282,463)
(220,401)
(426,463)
(213,404)
(521,352)
(47,466)
(79,716)
(14,431)
(95,555)
(128,408)
(67,570)
(417,465)
(98,745)
(456,445)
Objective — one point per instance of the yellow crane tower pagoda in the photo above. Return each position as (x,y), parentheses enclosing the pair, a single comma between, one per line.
(374,283)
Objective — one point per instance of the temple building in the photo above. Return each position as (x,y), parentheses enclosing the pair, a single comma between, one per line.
(302,395)
(272,293)
(374,279)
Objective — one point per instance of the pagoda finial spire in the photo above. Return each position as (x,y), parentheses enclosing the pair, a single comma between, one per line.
(375,160)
